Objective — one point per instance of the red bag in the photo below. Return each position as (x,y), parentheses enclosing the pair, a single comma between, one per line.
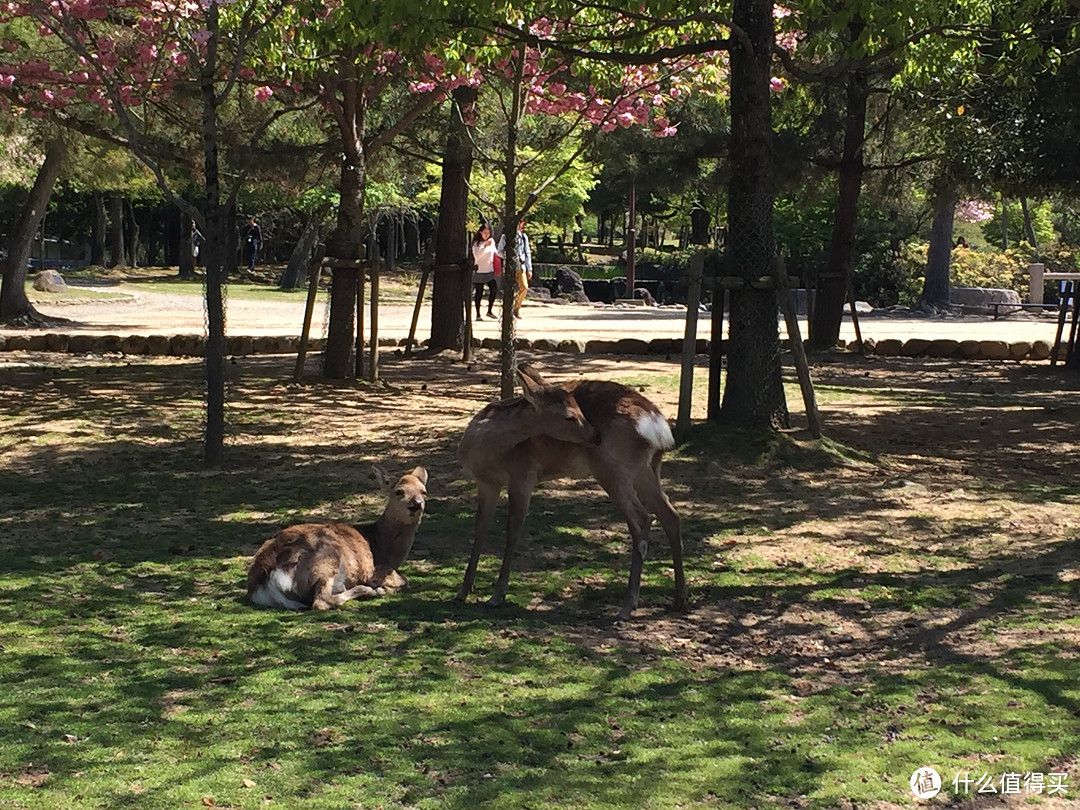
(497,262)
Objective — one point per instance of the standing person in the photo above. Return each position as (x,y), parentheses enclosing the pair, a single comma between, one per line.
(524,275)
(484,257)
(251,235)
(197,241)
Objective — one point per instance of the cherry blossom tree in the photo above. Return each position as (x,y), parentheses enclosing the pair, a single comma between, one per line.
(158,77)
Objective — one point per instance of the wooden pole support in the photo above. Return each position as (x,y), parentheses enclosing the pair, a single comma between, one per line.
(689,349)
(798,351)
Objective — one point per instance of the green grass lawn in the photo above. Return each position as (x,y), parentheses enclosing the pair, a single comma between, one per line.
(844,630)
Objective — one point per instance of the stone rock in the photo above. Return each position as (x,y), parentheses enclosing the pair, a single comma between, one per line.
(993,350)
(18,343)
(157,345)
(545,345)
(189,346)
(1040,350)
(889,347)
(56,343)
(571,346)
(567,284)
(81,344)
(982,299)
(665,346)
(50,281)
(1019,349)
(491,343)
(600,347)
(631,346)
(943,347)
(915,347)
(240,345)
(108,344)
(969,349)
(135,344)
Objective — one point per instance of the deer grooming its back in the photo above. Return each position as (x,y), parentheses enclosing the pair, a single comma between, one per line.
(324,565)
(574,429)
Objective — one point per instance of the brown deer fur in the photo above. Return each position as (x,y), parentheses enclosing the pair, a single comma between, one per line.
(516,443)
(324,565)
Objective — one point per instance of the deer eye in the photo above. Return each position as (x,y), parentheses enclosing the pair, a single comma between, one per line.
(400,493)
(571,418)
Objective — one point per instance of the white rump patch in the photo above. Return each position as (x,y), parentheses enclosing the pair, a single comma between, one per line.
(654,428)
(276,592)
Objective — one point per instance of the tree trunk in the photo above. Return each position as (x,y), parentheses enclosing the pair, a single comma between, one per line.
(936,282)
(1029,226)
(832,286)
(754,393)
(117,252)
(699,226)
(134,242)
(216,225)
(345,243)
(186,261)
(297,267)
(451,236)
(1004,225)
(99,229)
(13,301)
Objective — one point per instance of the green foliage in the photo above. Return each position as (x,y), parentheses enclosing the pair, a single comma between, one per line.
(1042,221)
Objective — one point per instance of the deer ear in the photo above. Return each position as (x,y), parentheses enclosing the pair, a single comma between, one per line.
(528,370)
(382,476)
(530,388)
(421,474)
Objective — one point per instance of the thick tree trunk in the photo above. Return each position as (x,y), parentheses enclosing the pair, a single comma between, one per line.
(754,393)
(117,251)
(300,258)
(216,225)
(346,242)
(13,301)
(451,236)
(99,229)
(699,226)
(936,282)
(833,283)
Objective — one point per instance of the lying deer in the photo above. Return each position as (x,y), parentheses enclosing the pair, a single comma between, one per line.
(324,565)
(574,429)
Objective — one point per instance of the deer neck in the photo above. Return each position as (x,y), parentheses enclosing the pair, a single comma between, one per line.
(390,541)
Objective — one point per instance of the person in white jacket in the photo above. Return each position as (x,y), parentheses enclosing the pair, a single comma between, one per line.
(524,275)
(484,257)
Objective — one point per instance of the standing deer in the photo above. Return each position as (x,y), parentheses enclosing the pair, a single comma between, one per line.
(324,565)
(574,429)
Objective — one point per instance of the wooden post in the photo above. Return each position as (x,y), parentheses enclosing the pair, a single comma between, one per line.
(798,351)
(466,285)
(686,380)
(416,309)
(314,274)
(373,363)
(360,321)
(854,317)
(1036,282)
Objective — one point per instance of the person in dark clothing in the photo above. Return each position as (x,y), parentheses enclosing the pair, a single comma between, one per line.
(251,237)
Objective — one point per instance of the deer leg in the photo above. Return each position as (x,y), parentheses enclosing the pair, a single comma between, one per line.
(325,598)
(487,496)
(652,495)
(623,495)
(519,493)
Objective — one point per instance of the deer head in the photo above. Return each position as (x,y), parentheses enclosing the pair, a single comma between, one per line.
(406,496)
(556,412)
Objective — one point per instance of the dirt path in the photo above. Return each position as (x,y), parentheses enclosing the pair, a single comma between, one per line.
(141,312)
